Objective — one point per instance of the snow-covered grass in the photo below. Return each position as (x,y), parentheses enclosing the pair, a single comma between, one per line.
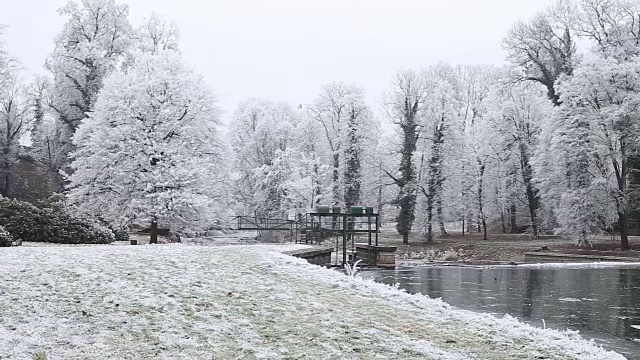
(238,302)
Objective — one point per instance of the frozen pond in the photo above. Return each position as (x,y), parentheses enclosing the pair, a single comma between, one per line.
(602,301)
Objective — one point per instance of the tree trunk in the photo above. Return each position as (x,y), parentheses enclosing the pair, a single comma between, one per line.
(429,234)
(406,200)
(336,178)
(533,206)
(7,181)
(434,181)
(482,217)
(623,222)
(317,186)
(352,176)
(153,233)
(513,223)
(379,200)
(6,169)
(443,229)
(484,229)
(621,170)
(532,193)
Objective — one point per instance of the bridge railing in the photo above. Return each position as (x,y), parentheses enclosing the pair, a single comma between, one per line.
(259,224)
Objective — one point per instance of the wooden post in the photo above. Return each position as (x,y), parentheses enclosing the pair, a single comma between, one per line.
(377,227)
(369,228)
(344,240)
(154,232)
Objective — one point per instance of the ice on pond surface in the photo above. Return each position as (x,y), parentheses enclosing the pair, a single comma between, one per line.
(600,300)
(570,265)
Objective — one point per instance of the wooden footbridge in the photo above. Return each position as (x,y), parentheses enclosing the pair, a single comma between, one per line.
(264,224)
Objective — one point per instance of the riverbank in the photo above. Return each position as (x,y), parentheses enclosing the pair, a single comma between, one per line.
(238,302)
(501,248)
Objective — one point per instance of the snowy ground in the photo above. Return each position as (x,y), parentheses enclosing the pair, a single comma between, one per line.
(237,302)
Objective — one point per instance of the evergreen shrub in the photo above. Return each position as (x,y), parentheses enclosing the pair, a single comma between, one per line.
(30,223)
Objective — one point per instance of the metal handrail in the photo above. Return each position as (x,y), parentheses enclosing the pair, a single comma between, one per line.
(265,223)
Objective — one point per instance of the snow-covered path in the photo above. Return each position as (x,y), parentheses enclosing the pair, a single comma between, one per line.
(237,302)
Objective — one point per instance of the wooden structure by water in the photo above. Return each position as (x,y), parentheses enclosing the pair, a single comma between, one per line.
(317,255)
(376,255)
(352,235)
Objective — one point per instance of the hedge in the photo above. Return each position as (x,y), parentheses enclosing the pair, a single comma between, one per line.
(29,223)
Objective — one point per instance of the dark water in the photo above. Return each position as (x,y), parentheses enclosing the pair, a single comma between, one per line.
(601,301)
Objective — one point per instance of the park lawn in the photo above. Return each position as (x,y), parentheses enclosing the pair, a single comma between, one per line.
(238,302)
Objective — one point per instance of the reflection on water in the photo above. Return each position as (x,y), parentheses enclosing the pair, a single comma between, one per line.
(601,302)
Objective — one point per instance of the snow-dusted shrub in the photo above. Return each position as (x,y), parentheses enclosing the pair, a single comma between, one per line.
(449,255)
(67,228)
(436,255)
(19,218)
(351,270)
(6,239)
(120,234)
(29,223)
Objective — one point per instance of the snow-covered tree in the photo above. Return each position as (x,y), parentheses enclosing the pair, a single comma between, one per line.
(359,120)
(517,112)
(157,34)
(262,136)
(587,147)
(473,84)
(309,142)
(14,117)
(597,130)
(15,120)
(543,48)
(380,189)
(611,26)
(150,151)
(92,45)
(8,65)
(570,180)
(440,118)
(477,165)
(282,186)
(342,115)
(49,136)
(405,104)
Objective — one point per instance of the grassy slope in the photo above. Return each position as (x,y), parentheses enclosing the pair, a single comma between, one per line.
(244,302)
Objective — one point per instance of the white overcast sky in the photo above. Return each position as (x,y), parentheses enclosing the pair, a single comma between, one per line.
(286,49)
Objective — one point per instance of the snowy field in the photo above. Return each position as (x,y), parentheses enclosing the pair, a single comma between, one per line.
(237,302)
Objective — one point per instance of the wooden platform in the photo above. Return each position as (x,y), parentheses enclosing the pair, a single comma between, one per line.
(317,255)
(379,256)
